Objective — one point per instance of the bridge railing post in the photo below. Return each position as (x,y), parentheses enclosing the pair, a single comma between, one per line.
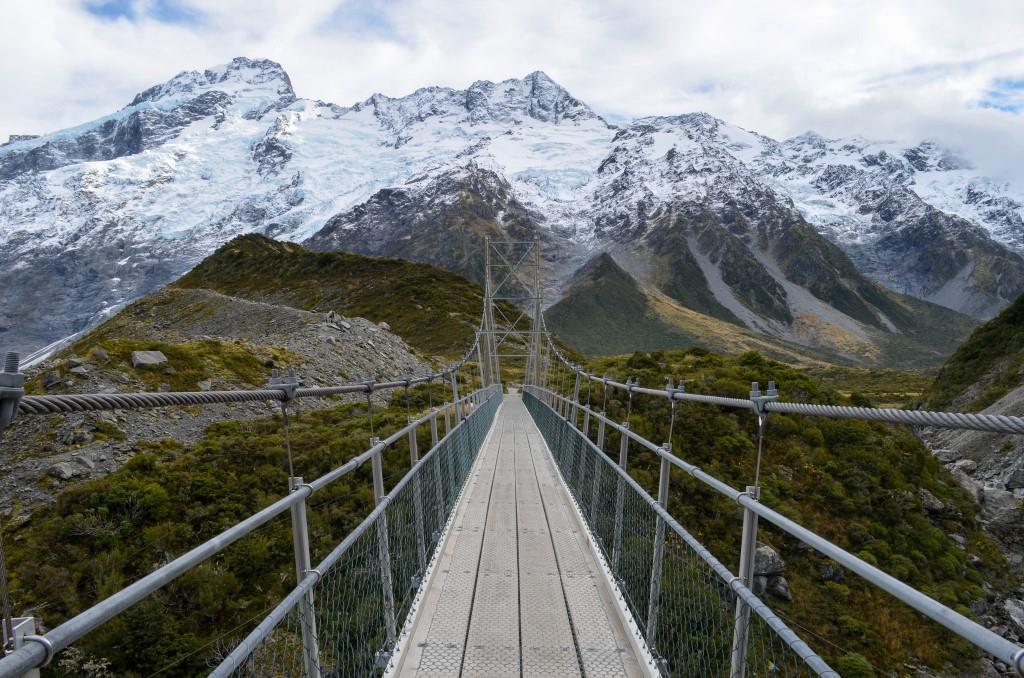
(659,547)
(620,495)
(303,564)
(433,428)
(576,398)
(384,550)
(417,496)
(748,549)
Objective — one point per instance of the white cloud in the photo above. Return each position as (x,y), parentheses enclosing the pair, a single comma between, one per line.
(903,69)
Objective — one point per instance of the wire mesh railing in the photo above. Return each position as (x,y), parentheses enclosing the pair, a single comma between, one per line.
(345,615)
(564,412)
(358,618)
(683,600)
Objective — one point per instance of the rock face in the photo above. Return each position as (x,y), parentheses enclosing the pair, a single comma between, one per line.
(718,218)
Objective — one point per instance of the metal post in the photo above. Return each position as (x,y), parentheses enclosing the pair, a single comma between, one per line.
(619,498)
(455,397)
(600,434)
(384,549)
(300,541)
(480,363)
(596,485)
(12,388)
(748,549)
(433,428)
(417,496)
(659,548)
(576,398)
(447,419)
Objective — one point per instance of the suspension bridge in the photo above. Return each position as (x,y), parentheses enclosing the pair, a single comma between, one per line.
(518,543)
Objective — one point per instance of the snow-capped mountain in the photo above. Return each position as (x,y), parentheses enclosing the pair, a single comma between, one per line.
(96,215)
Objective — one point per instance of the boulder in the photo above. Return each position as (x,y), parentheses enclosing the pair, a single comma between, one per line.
(65,471)
(831,571)
(967,466)
(384,326)
(51,379)
(1015,479)
(778,587)
(1014,609)
(80,370)
(75,362)
(147,358)
(100,355)
(205,384)
(767,561)
(931,503)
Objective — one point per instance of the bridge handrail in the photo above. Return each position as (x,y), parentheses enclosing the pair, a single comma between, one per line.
(40,649)
(263,630)
(971,631)
(804,651)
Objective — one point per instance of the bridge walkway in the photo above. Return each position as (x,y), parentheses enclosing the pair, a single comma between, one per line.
(517,590)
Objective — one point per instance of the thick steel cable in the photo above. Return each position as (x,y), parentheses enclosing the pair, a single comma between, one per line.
(92,402)
(991,423)
(976,422)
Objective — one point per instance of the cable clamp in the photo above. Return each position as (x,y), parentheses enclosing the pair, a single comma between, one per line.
(287,384)
(318,573)
(673,390)
(47,646)
(760,400)
(745,493)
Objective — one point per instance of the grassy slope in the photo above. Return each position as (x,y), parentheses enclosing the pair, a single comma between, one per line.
(435,311)
(605,311)
(855,483)
(985,367)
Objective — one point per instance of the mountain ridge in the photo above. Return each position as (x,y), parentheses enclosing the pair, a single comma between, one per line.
(95,216)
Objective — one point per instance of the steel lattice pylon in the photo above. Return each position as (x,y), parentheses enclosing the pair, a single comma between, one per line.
(512,271)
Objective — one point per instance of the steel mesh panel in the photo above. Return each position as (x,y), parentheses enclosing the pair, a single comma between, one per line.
(353,628)
(696,611)
(696,614)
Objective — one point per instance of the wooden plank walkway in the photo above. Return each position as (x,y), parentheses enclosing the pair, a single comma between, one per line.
(517,590)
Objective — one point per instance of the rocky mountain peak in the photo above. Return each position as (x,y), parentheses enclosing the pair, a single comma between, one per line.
(261,78)
(536,95)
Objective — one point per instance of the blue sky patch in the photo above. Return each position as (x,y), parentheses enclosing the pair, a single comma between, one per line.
(1004,94)
(166,11)
(363,18)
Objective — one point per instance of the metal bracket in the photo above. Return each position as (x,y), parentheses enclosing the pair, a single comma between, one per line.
(759,400)
(286,384)
(12,389)
(369,383)
(673,390)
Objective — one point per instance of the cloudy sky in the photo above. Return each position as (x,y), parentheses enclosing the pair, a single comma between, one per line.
(952,70)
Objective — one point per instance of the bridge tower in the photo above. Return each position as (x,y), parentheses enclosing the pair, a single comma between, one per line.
(511,326)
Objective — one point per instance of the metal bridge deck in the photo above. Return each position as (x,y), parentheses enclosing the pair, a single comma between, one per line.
(517,590)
